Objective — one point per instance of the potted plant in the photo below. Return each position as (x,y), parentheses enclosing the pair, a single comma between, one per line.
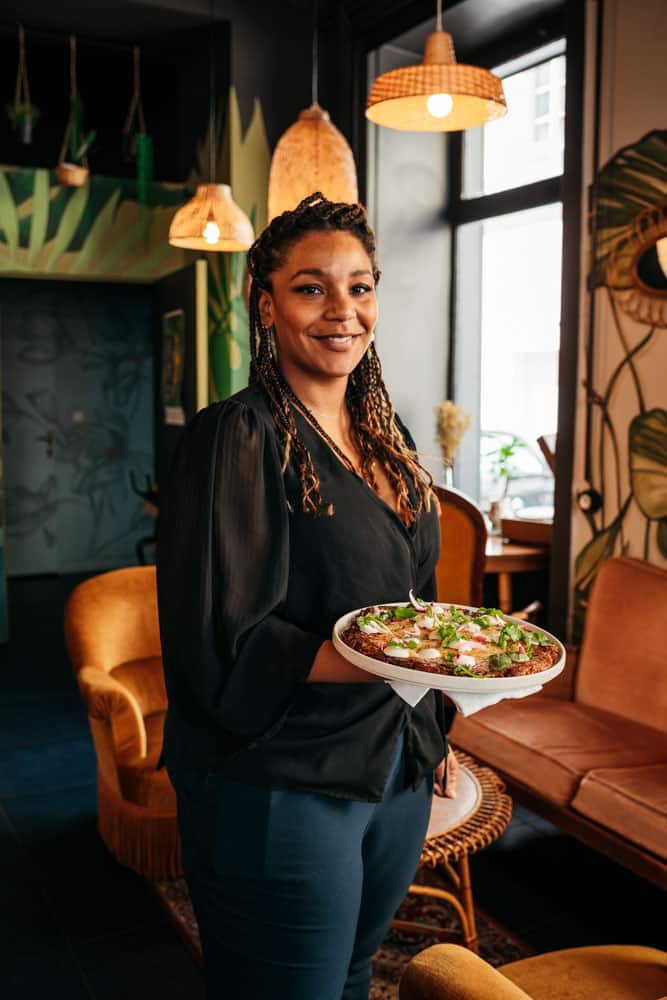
(74,171)
(23,117)
(22,113)
(503,468)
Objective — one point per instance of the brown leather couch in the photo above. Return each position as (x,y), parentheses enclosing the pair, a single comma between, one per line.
(590,751)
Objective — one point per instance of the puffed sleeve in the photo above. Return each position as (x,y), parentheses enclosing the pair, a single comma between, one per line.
(222,565)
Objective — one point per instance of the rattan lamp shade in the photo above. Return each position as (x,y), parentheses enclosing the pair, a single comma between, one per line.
(211,221)
(312,155)
(398,99)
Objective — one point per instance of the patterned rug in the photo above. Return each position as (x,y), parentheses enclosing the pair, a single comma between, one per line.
(496,944)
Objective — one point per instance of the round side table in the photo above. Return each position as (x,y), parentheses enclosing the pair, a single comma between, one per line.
(458,828)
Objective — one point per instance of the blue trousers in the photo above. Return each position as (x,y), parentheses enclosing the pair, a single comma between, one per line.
(294,891)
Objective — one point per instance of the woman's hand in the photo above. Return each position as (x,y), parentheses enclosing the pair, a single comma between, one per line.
(448,791)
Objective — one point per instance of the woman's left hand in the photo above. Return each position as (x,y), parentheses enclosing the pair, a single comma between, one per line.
(448,791)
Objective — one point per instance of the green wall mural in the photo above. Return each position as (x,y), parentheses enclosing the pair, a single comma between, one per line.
(100,230)
(103,231)
(248,158)
(628,444)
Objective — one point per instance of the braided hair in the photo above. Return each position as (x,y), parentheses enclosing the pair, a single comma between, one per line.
(374,426)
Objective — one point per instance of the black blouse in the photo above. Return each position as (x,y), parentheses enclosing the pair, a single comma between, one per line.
(248,591)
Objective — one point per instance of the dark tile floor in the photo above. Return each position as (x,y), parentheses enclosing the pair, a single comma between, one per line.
(76,925)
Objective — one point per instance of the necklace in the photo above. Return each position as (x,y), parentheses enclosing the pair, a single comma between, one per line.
(318,427)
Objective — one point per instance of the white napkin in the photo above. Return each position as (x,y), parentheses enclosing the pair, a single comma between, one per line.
(466,703)
(412,693)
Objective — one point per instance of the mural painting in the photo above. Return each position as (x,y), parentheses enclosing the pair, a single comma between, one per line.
(627,508)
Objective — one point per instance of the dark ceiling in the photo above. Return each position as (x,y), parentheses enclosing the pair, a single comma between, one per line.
(473,23)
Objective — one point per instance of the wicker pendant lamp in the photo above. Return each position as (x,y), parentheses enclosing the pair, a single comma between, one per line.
(211,221)
(312,155)
(439,95)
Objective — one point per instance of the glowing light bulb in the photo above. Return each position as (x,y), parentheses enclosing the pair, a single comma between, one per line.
(439,105)
(211,232)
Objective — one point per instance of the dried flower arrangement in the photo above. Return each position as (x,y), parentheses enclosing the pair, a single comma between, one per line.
(451,424)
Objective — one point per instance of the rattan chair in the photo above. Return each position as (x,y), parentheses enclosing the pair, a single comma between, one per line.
(458,828)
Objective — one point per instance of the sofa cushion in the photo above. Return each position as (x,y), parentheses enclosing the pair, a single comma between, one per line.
(622,660)
(139,778)
(631,801)
(549,745)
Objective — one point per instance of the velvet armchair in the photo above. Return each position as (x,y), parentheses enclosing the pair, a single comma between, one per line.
(113,641)
(609,972)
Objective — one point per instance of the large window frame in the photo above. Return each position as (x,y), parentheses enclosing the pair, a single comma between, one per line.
(567,189)
(463,211)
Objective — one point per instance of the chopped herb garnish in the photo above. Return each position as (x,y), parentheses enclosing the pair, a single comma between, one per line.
(456,616)
(448,633)
(405,613)
(499,660)
(462,671)
(510,633)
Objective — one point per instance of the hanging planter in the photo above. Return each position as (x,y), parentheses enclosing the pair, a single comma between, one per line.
(74,171)
(22,114)
(137,144)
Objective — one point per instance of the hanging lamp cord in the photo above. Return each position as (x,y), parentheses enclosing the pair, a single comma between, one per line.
(136,104)
(73,94)
(314,84)
(22,85)
(211,101)
(438,16)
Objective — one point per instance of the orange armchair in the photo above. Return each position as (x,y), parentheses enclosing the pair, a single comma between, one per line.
(601,972)
(113,641)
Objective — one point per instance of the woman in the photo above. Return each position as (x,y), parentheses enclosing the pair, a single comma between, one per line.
(304,783)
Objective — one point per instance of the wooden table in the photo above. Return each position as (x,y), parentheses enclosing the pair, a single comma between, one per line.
(505,558)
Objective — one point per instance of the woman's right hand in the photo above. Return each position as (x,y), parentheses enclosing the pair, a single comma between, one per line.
(450,765)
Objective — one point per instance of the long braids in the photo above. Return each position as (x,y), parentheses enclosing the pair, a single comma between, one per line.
(374,425)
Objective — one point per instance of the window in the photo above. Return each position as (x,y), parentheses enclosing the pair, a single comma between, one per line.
(508,289)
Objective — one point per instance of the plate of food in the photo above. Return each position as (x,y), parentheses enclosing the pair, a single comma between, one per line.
(452,647)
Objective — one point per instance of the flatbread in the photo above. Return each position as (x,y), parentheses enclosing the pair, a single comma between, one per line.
(443,639)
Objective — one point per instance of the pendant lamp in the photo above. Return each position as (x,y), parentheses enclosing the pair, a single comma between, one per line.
(439,95)
(212,220)
(312,155)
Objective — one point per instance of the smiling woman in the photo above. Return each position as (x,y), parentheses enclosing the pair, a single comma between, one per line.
(323,303)
(304,782)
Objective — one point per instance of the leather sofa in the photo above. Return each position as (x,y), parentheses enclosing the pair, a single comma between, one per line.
(590,751)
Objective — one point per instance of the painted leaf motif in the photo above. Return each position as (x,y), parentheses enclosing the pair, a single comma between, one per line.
(648,462)
(662,536)
(634,179)
(600,547)
(9,225)
(235,358)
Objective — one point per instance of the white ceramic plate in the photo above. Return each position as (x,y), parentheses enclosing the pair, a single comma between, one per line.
(444,682)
